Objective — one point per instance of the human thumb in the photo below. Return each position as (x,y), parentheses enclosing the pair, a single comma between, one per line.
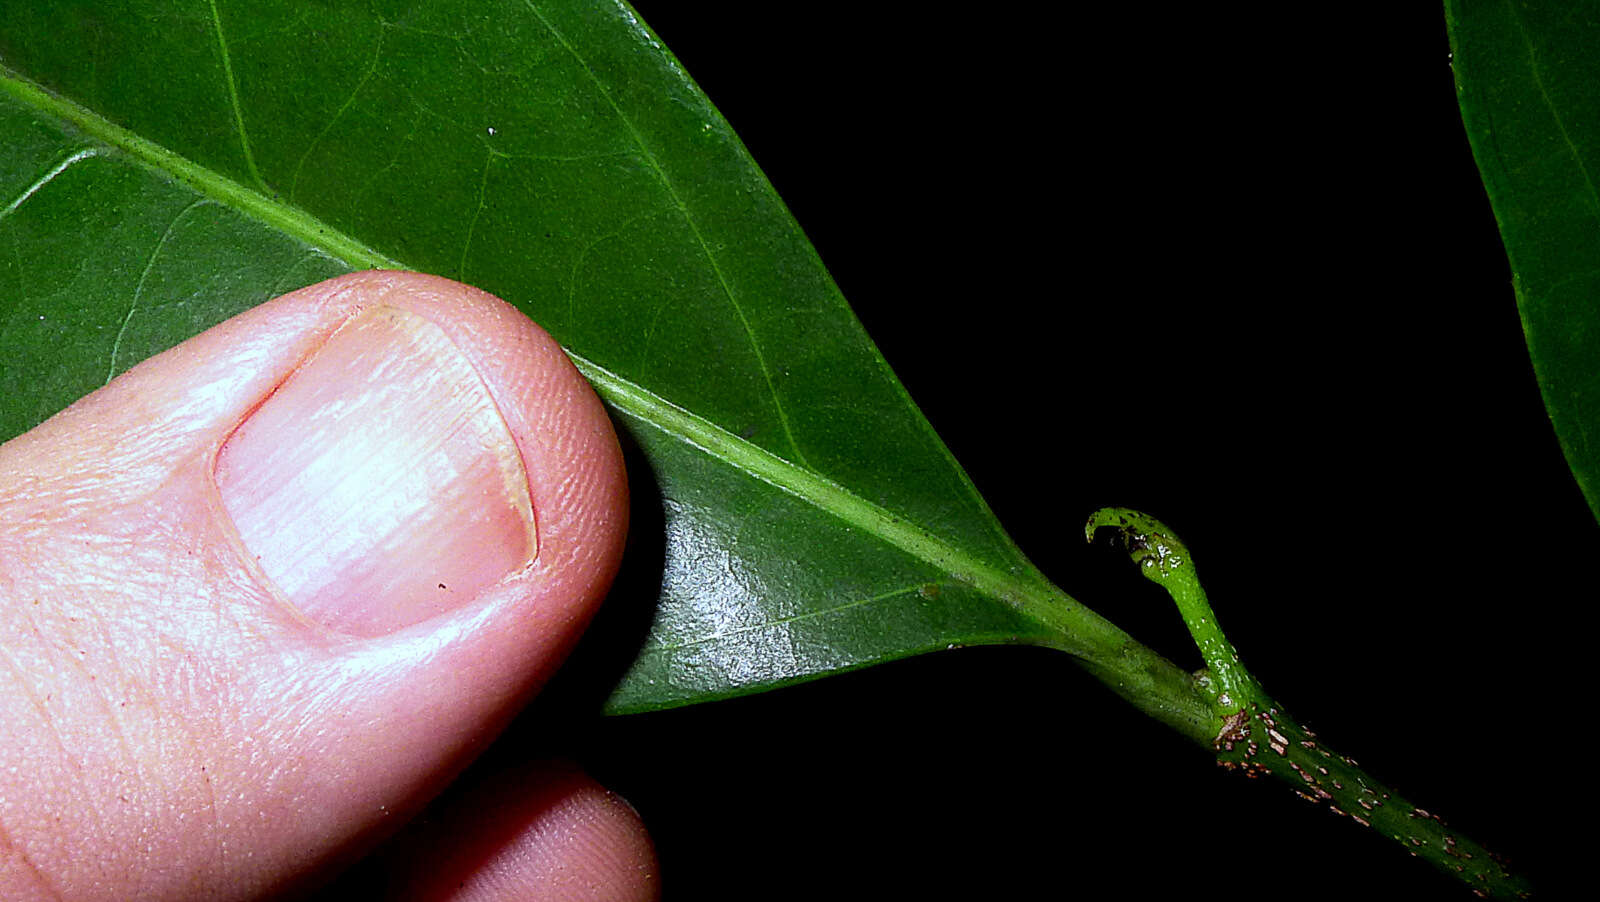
(266,593)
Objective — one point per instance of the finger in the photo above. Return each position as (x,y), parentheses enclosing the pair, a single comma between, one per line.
(545,831)
(265,593)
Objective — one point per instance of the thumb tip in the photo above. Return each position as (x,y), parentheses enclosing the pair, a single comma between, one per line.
(416,455)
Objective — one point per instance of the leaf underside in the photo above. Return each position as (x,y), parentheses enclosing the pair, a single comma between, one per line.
(1528,78)
(170,165)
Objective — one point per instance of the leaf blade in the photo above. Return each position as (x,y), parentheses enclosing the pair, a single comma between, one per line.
(890,491)
(1525,76)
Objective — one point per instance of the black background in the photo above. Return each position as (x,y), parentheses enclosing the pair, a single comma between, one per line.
(1230,265)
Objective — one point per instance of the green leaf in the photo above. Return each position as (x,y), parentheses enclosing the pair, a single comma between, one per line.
(172,166)
(1528,77)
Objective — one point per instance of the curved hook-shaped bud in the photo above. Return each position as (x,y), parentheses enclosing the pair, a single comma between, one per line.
(1148,541)
(1165,560)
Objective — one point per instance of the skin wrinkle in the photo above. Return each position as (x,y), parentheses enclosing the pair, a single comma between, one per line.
(130,763)
(8,848)
(55,736)
(19,678)
(174,667)
(182,743)
(176,659)
(203,768)
(185,734)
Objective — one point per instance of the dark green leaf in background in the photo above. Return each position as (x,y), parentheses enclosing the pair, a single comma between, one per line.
(1528,73)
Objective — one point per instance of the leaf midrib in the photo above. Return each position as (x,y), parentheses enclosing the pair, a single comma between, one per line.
(1020,587)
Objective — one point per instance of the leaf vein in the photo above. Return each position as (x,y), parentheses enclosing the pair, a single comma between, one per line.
(372,69)
(582,257)
(694,228)
(477,213)
(138,290)
(233,97)
(1555,113)
(50,176)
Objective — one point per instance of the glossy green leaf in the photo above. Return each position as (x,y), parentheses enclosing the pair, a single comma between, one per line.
(1528,76)
(171,165)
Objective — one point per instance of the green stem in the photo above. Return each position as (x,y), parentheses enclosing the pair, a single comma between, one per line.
(1264,740)
(1253,735)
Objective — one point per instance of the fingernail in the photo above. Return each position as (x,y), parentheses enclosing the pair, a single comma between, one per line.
(378,486)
